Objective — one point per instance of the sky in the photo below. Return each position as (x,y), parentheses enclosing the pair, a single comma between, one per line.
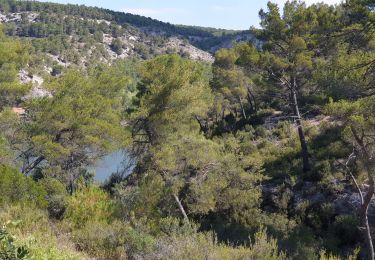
(226,14)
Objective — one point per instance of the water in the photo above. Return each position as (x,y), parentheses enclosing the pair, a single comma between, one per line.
(112,163)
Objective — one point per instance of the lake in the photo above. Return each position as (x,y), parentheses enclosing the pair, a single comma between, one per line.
(112,163)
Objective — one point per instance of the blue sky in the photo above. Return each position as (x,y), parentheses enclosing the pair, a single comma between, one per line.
(227,14)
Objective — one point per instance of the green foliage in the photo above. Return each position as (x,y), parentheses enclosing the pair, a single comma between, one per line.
(33,230)
(89,204)
(13,55)
(345,226)
(142,200)
(56,196)
(205,174)
(56,70)
(358,118)
(17,188)
(102,240)
(116,46)
(83,114)
(185,96)
(205,246)
(216,147)
(9,249)
(6,154)
(235,90)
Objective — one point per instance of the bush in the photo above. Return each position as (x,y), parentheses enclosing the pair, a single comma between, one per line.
(112,241)
(346,229)
(9,248)
(138,243)
(89,204)
(101,240)
(260,116)
(17,188)
(205,246)
(32,228)
(117,46)
(171,225)
(260,131)
(321,170)
(56,70)
(283,130)
(56,197)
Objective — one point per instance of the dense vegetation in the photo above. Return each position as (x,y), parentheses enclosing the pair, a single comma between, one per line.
(98,14)
(268,153)
(57,19)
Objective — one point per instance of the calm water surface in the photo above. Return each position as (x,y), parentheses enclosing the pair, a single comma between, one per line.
(111,164)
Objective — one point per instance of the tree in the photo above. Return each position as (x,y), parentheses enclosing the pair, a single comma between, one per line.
(288,57)
(76,126)
(116,46)
(347,41)
(343,74)
(13,55)
(232,84)
(359,120)
(56,70)
(174,92)
(198,175)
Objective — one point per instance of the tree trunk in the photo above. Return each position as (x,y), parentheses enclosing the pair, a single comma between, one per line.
(250,102)
(364,219)
(181,207)
(28,168)
(301,134)
(242,108)
(251,96)
(367,159)
(203,128)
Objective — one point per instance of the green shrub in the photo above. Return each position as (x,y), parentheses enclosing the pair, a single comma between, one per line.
(321,170)
(320,216)
(171,225)
(9,248)
(138,243)
(326,256)
(32,228)
(56,197)
(17,188)
(89,204)
(205,246)
(56,70)
(260,131)
(260,116)
(283,130)
(101,240)
(117,46)
(112,241)
(346,229)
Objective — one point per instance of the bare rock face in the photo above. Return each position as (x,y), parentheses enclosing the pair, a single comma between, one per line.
(244,37)
(37,90)
(3,18)
(17,17)
(346,202)
(349,202)
(183,47)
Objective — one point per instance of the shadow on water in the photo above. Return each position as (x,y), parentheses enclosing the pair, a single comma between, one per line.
(115,163)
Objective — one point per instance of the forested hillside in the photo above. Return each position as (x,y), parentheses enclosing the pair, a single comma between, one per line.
(72,33)
(266,152)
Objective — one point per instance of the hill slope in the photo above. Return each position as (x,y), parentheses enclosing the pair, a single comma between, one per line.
(76,34)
